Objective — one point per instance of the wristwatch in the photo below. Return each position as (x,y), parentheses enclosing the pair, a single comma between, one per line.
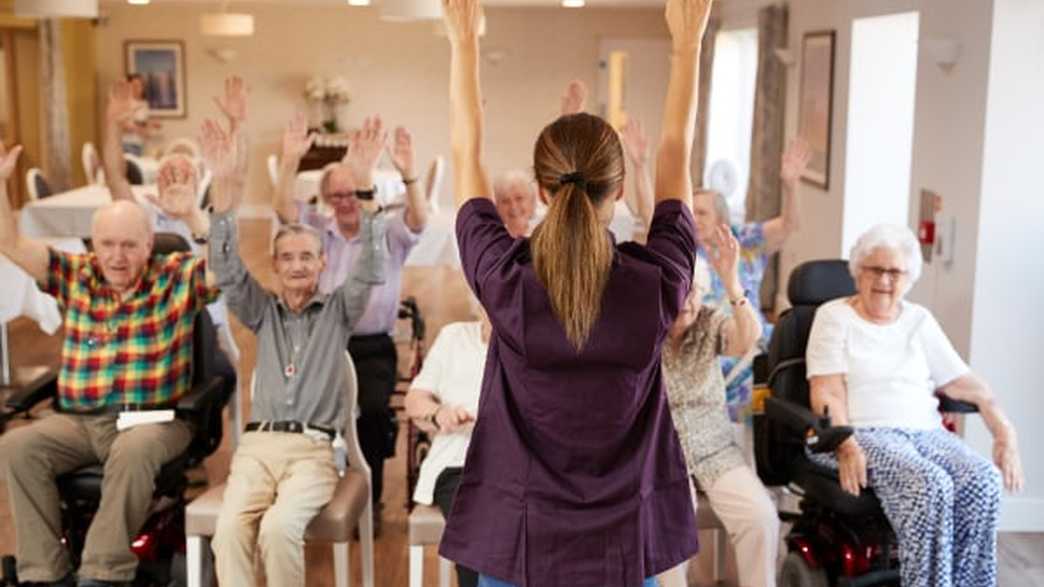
(366,194)
(740,300)
(200,239)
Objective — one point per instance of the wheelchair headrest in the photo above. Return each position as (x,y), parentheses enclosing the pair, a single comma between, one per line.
(165,243)
(815,282)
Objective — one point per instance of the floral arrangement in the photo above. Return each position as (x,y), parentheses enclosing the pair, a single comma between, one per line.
(330,92)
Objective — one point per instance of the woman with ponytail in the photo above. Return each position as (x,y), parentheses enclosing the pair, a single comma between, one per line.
(575,477)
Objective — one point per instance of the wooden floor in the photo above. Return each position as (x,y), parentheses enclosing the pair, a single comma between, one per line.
(442,295)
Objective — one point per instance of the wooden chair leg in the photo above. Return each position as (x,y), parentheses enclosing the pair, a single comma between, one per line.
(342,565)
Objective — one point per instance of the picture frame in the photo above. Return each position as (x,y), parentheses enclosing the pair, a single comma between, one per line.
(816,103)
(161,63)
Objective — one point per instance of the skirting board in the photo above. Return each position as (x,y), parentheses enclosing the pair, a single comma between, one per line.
(1021,514)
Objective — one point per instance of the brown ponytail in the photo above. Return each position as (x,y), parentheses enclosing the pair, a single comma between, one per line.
(578,162)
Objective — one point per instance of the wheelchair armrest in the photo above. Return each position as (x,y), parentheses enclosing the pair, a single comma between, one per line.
(819,434)
(956,406)
(26,398)
(202,397)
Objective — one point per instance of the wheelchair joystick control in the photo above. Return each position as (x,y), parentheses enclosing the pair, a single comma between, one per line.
(823,437)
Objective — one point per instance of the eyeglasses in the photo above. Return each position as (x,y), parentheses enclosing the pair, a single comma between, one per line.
(879,272)
(335,196)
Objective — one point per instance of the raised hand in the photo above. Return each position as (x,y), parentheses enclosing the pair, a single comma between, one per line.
(574,99)
(795,161)
(364,151)
(234,103)
(219,149)
(724,257)
(122,105)
(8,160)
(635,142)
(462,19)
(687,20)
(296,139)
(401,152)
(178,183)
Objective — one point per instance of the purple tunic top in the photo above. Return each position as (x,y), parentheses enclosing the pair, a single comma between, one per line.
(574,476)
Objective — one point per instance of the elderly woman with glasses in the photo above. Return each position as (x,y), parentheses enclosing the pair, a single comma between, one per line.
(876,362)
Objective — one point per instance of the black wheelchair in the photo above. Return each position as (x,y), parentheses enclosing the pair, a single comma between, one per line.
(836,538)
(160,544)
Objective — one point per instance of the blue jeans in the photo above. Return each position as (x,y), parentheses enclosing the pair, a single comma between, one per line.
(487,581)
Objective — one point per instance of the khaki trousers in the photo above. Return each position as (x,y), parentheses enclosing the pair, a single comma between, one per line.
(752,522)
(33,456)
(277,483)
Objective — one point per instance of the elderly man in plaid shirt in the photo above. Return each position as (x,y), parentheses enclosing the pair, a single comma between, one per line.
(128,319)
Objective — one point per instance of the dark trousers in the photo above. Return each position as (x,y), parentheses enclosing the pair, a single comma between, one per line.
(376,364)
(445,489)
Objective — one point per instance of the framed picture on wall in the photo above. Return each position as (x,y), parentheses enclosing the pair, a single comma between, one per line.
(816,103)
(161,65)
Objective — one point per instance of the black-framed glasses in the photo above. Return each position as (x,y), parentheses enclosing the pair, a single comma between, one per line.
(878,272)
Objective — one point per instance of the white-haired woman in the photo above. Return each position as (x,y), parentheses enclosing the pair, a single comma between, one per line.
(514,194)
(443,401)
(875,362)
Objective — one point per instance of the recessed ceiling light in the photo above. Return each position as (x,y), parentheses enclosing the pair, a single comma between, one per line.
(358,2)
(572,3)
(139,2)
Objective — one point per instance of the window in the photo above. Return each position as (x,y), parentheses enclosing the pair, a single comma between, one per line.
(735,69)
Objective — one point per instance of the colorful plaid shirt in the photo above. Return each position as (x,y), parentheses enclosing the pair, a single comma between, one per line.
(136,350)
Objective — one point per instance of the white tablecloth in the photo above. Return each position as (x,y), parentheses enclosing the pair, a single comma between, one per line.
(23,298)
(68,214)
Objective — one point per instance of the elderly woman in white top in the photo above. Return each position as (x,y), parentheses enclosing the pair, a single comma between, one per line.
(875,362)
(443,401)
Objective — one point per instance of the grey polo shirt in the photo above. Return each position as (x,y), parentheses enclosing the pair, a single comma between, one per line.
(313,340)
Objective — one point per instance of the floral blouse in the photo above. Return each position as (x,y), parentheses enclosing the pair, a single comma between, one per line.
(752,263)
(696,393)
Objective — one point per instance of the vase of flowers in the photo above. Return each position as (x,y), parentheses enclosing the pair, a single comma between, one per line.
(328,97)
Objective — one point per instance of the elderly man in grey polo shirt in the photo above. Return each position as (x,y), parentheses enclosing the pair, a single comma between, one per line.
(283,472)
(342,189)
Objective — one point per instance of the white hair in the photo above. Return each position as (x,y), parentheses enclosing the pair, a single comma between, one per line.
(889,236)
(511,179)
(701,276)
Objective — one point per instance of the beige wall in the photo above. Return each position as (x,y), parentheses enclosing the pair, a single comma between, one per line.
(399,70)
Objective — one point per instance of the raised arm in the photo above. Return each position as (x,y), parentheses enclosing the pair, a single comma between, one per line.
(742,330)
(354,293)
(225,269)
(364,151)
(636,144)
(119,112)
(462,23)
(418,208)
(296,142)
(792,167)
(687,20)
(30,255)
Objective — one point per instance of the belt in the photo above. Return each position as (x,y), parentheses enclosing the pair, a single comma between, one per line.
(291,426)
(120,408)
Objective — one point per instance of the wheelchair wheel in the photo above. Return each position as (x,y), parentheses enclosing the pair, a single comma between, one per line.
(796,573)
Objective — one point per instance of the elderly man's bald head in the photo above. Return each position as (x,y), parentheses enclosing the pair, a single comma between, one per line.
(122,216)
(121,234)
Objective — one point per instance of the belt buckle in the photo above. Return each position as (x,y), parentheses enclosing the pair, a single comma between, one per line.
(314,433)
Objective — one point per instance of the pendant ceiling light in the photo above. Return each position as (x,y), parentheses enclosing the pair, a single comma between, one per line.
(226,24)
(56,8)
(411,10)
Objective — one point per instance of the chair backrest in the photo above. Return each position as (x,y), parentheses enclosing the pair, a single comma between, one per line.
(165,243)
(273,169)
(135,175)
(183,146)
(206,366)
(203,198)
(36,184)
(92,169)
(811,284)
(433,182)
